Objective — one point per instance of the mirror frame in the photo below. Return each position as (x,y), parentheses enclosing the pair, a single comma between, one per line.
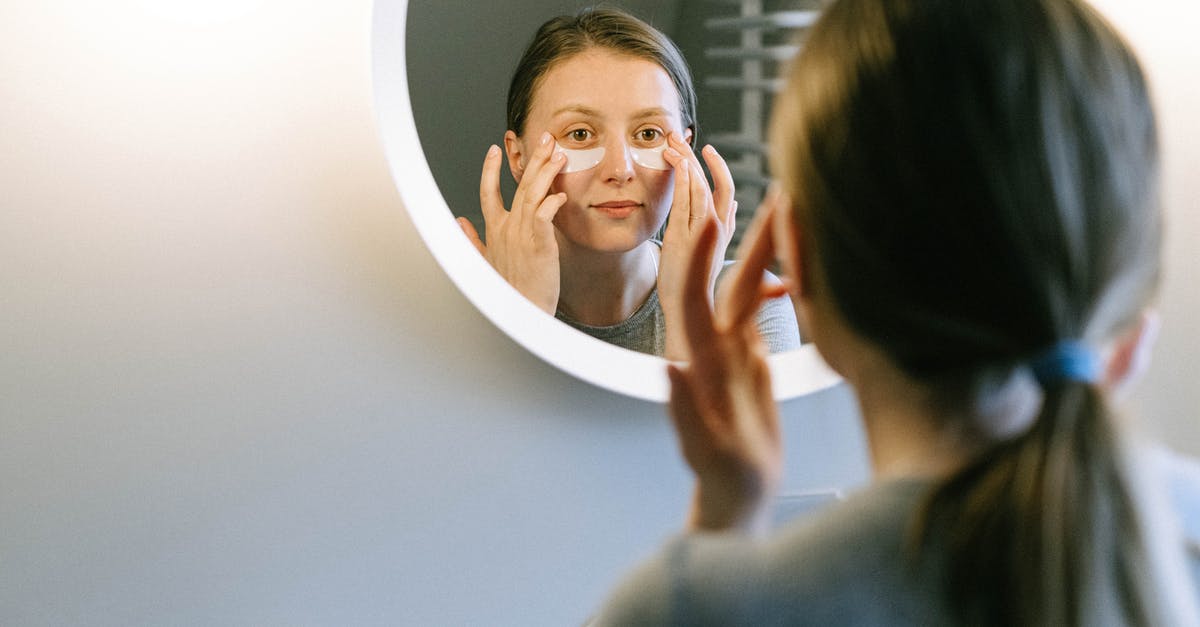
(793,373)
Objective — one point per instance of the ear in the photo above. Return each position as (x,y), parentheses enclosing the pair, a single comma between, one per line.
(514,148)
(1129,354)
(688,135)
(788,246)
(789,249)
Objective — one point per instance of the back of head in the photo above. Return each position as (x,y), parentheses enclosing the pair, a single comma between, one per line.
(975,182)
(610,29)
(977,176)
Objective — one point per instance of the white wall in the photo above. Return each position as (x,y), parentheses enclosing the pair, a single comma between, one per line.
(1164,32)
(235,389)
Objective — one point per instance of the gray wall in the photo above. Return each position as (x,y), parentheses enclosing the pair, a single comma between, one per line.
(235,388)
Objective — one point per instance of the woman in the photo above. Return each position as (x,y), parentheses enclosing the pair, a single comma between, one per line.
(601,116)
(970,222)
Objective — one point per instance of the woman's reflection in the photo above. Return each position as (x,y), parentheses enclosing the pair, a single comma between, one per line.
(601,118)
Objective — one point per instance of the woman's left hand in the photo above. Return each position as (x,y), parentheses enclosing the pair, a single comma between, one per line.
(693,207)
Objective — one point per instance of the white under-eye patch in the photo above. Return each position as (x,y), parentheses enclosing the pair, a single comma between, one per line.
(579,160)
(650,157)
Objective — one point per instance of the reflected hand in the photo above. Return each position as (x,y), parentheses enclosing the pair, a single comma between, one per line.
(521,243)
(693,207)
(721,403)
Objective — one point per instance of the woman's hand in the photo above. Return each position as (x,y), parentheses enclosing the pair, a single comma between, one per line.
(721,402)
(521,245)
(693,207)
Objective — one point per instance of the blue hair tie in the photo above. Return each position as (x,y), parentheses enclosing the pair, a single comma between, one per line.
(1069,360)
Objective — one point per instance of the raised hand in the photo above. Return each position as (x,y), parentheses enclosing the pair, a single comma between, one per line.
(721,402)
(693,207)
(521,244)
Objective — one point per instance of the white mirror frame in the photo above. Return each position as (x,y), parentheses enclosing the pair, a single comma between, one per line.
(793,373)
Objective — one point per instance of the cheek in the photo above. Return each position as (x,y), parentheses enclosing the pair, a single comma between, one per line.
(573,184)
(660,185)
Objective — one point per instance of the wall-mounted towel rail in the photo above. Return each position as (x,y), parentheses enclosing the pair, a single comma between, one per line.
(766,36)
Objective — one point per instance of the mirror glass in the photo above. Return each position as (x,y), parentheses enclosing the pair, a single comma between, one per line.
(441,75)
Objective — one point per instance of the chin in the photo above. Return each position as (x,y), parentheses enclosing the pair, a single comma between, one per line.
(610,242)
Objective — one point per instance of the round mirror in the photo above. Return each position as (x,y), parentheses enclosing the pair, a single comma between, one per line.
(470,49)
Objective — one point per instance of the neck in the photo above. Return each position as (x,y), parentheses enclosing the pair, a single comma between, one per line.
(605,288)
(907,435)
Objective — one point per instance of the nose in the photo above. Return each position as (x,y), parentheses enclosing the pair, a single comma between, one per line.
(618,162)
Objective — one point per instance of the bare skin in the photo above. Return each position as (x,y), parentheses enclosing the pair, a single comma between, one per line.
(723,410)
(559,245)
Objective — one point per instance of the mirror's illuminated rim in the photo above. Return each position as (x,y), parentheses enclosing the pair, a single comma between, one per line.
(601,364)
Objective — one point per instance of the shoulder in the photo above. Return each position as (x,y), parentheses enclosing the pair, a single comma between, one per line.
(1181,475)
(1178,478)
(776,318)
(854,560)
(842,566)
(1166,485)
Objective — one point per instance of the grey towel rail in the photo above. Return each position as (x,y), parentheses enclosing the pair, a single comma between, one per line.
(762,21)
(753,58)
(766,53)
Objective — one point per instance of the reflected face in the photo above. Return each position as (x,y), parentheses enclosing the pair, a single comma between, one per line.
(621,103)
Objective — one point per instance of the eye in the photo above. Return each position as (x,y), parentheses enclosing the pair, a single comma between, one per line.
(649,135)
(579,135)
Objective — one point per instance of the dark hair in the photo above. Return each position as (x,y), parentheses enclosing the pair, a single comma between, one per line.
(976,182)
(609,29)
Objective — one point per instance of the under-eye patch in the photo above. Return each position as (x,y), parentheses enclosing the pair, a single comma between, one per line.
(579,160)
(650,157)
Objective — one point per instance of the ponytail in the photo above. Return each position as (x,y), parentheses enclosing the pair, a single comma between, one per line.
(1027,214)
(1042,529)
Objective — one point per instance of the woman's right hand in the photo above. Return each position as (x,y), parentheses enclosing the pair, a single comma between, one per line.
(521,243)
(721,402)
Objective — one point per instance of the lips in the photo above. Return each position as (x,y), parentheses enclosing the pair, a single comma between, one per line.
(617,208)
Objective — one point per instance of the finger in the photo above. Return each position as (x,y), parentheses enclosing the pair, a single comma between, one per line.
(769,290)
(745,290)
(550,206)
(698,324)
(699,196)
(490,200)
(543,221)
(676,141)
(468,229)
(540,179)
(538,153)
(723,186)
(677,220)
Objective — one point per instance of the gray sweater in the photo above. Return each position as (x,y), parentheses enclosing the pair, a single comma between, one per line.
(844,566)
(645,330)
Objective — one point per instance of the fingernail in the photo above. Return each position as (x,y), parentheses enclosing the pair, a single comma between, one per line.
(710,150)
(545,138)
(493,150)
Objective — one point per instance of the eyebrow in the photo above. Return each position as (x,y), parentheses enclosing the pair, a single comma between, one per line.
(644,113)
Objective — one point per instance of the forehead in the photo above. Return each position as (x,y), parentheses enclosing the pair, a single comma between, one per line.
(607,82)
